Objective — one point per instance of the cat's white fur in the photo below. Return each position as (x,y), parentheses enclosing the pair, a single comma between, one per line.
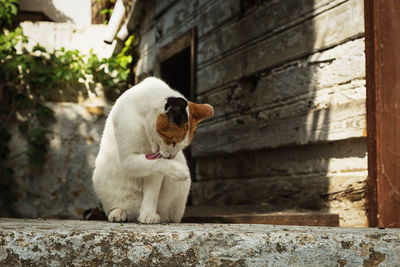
(130,186)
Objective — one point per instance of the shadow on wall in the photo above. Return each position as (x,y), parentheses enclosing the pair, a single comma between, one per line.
(40,10)
(64,188)
(287,98)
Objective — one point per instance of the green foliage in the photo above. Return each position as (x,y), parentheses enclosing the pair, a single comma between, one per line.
(8,10)
(23,78)
(112,72)
(29,77)
(108,10)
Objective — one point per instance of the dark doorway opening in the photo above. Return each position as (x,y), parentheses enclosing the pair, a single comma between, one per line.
(177,70)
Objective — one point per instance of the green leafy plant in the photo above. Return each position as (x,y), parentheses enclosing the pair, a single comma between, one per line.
(8,10)
(112,72)
(108,10)
(30,77)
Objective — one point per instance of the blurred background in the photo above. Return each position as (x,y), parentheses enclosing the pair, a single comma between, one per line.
(286,78)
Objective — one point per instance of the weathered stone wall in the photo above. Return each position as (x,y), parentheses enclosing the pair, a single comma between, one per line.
(287,81)
(64,188)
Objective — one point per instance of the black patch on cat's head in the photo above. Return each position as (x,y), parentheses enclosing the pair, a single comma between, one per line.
(176,110)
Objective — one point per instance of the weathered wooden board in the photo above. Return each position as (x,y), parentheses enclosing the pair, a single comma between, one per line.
(307,192)
(177,46)
(254,217)
(304,84)
(161,6)
(266,19)
(283,74)
(237,102)
(319,159)
(249,133)
(180,18)
(328,29)
(183,16)
(209,16)
(342,194)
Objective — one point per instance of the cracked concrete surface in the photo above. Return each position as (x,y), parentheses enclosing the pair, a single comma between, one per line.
(94,243)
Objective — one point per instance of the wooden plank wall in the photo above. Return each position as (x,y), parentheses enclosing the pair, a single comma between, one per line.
(287,82)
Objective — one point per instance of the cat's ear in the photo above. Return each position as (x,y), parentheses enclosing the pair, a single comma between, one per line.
(175,108)
(200,111)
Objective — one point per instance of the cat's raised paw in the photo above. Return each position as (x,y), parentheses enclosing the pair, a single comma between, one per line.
(179,171)
(149,218)
(118,215)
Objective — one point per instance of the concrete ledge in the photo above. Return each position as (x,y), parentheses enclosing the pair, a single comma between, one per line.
(92,243)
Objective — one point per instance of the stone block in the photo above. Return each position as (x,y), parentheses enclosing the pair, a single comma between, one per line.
(83,243)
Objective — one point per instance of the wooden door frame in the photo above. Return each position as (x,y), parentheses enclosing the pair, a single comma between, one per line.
(382,39)
(176,46)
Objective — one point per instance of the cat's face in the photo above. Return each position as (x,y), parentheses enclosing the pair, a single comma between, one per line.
(177,124)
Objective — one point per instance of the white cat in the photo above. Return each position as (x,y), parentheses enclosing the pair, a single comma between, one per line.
(141,173)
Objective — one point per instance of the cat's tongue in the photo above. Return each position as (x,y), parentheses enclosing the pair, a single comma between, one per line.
(156,155)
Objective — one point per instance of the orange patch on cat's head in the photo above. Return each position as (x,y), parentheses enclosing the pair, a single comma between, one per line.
(172,133)
(169,131)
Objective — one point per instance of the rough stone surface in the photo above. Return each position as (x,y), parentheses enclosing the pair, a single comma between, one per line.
(66,243)
(64,189)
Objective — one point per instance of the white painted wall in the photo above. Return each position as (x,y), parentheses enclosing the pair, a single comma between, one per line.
(53,36)
(75,11)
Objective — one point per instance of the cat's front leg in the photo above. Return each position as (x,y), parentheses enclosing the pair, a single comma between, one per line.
(151,190)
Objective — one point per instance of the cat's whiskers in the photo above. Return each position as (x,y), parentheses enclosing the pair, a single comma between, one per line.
(196,145)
